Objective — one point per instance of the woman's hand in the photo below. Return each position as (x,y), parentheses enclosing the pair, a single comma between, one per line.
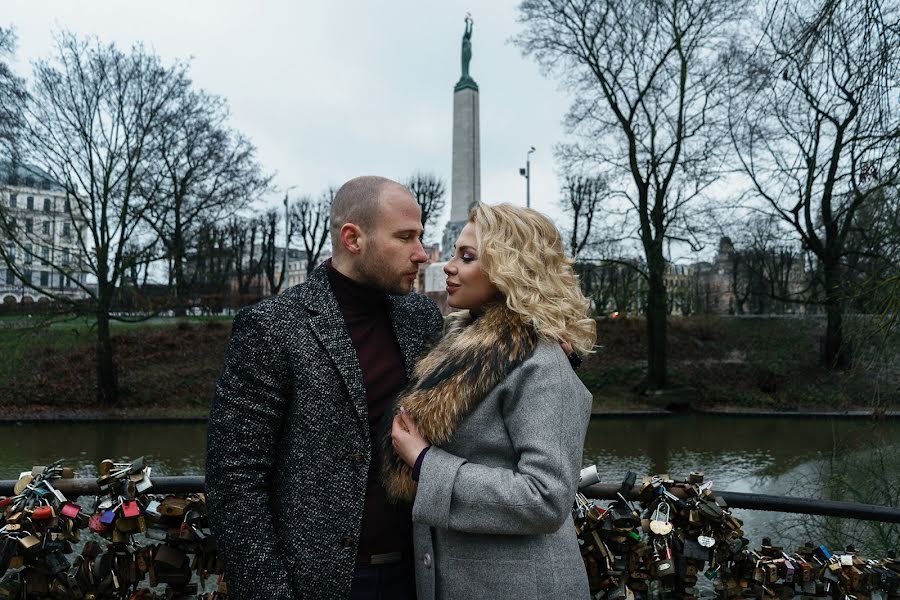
(405,437)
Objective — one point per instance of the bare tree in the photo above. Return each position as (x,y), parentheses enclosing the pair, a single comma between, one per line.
(429,190)
(311,220)
(816,129)
(244,240)
(203,172)
(873,252)
(12,96)
(582,196)
(95,118)
(213,258)
(645,73)
(269,255)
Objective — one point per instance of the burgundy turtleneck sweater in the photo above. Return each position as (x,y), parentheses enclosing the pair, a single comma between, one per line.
(386,527)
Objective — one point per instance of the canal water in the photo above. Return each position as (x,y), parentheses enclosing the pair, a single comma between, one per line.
(838,459)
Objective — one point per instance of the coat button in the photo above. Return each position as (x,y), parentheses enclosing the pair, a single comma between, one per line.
(347,541)
(426,560)
(358,457)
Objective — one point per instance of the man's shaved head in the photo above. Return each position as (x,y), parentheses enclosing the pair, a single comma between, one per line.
(357,202)
(376,230)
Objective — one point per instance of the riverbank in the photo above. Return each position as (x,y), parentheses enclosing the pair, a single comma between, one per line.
(167,369)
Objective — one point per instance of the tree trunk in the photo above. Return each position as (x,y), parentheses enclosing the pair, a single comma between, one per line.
(107,377)
(656,323)
(181,291)
(181,288)
(834,354)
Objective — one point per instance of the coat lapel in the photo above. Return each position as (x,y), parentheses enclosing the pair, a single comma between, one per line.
(408,333)
(328,326)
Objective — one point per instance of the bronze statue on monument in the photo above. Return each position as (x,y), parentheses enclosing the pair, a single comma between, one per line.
(466,81)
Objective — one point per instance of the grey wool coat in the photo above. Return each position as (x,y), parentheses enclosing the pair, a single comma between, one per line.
(492,508)
(288,446)
(492,514)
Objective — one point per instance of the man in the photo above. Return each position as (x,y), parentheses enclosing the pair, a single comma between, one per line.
(291,481)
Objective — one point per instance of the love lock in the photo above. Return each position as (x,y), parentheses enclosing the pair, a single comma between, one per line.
(659,523)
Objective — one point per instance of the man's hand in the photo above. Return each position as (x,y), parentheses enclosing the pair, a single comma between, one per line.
(405,437)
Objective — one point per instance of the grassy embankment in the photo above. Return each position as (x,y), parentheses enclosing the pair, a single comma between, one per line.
(168,367)
(754,363)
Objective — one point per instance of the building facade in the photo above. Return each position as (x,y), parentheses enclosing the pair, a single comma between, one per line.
(748,282)
(40,237)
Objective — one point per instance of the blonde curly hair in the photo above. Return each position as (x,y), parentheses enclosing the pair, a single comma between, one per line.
(522,253)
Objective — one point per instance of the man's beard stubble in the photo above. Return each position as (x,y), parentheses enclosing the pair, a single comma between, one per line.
(375,273)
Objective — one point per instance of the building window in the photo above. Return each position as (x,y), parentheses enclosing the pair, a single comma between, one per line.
(30,202)
(68,206)
(47,205)
(29,225)
(45,255)
(45,278)
(10,277)
(28,254)
(65,256)
(11,251)
(27,275)
(67,230)
(45,227)
(13,200)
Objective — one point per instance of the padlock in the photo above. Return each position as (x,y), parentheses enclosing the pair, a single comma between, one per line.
(694,517)
(43,513)
(70,510)
(659,522)
(30,543)
(108,517)
(152,509)
(96,525)
(662,567)
(130,509)
(695,551)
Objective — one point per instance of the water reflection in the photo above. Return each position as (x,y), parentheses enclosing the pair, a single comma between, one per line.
(172,449)
(799,457)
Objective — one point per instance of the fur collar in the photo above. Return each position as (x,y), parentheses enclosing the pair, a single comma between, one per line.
(453,378)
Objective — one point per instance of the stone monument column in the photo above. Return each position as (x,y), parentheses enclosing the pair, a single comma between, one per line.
(465,181)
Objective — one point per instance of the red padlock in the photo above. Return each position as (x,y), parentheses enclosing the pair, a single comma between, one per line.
(70,510)
(5,502)
(95,525)
(130,508)
(43,513)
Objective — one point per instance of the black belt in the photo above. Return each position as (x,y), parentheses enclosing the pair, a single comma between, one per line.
(388,558)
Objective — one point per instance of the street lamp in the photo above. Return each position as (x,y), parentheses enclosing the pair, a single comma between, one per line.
(526,173)
(287,231)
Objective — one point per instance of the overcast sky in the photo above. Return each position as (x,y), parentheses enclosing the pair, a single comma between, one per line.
(331,89)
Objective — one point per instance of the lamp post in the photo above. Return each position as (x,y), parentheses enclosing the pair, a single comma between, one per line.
(287,231)
(526,173)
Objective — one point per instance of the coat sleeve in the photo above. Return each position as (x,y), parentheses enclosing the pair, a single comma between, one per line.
(247,408)
(546,417)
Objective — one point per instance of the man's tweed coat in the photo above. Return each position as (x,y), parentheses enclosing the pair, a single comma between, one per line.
(288,446)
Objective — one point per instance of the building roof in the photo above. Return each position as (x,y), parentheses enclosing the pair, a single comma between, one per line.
(27,176)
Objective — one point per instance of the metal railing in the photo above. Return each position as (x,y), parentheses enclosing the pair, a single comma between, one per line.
(601,491)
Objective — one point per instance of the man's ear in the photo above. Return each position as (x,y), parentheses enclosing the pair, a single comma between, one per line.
(351,238)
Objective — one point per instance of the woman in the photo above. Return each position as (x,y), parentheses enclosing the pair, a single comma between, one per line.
(492,424)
